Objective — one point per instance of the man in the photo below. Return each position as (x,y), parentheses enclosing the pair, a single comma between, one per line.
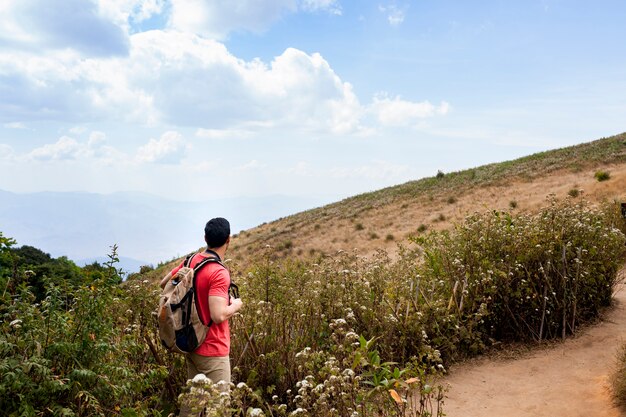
(214,305)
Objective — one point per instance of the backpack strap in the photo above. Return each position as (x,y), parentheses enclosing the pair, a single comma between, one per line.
(195,277)
(188,259)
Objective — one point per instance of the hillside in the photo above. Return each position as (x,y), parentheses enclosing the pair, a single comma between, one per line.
(382,218)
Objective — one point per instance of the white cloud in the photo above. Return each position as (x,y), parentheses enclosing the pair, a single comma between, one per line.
(399,112)
(169,149)
(252,165)
(395,16)
(302,169)
(15,125)
(223,133)
(6,151)
(96,138)
(329,6)
(121,12)
(65,148)
(78,130)
(182,79)
(69,149)
(217,18)
(75,24)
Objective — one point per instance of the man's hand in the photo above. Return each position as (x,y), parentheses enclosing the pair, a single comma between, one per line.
(236,304)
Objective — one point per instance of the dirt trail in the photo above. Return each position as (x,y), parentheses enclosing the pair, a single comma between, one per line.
(569,379)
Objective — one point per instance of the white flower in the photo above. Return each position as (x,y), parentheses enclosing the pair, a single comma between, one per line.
(255,412)
(15,323)
(200,378)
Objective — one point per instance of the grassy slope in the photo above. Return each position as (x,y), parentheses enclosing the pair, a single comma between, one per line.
(382,218)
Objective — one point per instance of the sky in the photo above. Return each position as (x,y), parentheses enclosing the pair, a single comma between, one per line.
(201,99)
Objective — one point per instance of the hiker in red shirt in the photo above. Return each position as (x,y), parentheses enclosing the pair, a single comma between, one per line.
(214,305)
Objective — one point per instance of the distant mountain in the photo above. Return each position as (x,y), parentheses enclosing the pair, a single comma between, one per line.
(146,228)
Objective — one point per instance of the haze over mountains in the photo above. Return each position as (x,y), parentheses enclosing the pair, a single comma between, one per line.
(146,228)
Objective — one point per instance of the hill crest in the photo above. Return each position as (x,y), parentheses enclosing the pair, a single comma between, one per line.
(380,219)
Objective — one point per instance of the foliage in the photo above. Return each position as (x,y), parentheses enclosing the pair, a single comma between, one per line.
(619,377)
(80,350)
(523,277)
(602,175)
(344,336)
(39,267)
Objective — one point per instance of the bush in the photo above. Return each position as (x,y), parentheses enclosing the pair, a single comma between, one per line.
(513,204)
(451,200)
(440,174)
(574,192)
(359,226)
(521,277)
(602,175)
(389,237)
(324,319)
(422,228)
(373,235)
(82,350)
(619,378)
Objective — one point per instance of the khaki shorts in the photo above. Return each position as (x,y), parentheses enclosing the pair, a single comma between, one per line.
(216,368)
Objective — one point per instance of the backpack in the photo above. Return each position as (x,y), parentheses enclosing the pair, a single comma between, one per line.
(180,327)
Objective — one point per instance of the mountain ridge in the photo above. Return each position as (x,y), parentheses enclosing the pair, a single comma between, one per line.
(380,219)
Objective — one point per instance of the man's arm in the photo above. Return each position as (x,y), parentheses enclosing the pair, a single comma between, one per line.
(165,279)
(220,310)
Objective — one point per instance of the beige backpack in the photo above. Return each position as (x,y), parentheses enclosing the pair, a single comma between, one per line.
(180,327)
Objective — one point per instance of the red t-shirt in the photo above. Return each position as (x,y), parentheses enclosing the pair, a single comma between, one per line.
(212,280)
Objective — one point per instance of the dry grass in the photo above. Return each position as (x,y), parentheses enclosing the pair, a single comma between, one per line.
(619,378)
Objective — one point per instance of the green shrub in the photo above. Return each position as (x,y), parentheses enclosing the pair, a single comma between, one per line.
(422,228)
(451,200)
(286,245)
(389,237)
(602,175)
(82,350)
(522,277)
(373,235)
(440,174)
(574,192)
(513,204)
(359,226)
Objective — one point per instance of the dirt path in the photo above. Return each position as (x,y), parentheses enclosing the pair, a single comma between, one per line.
(570,379)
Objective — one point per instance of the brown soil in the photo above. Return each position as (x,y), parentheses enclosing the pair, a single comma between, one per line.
(568,379)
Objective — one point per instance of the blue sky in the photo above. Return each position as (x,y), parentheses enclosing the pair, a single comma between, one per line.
(197,99)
